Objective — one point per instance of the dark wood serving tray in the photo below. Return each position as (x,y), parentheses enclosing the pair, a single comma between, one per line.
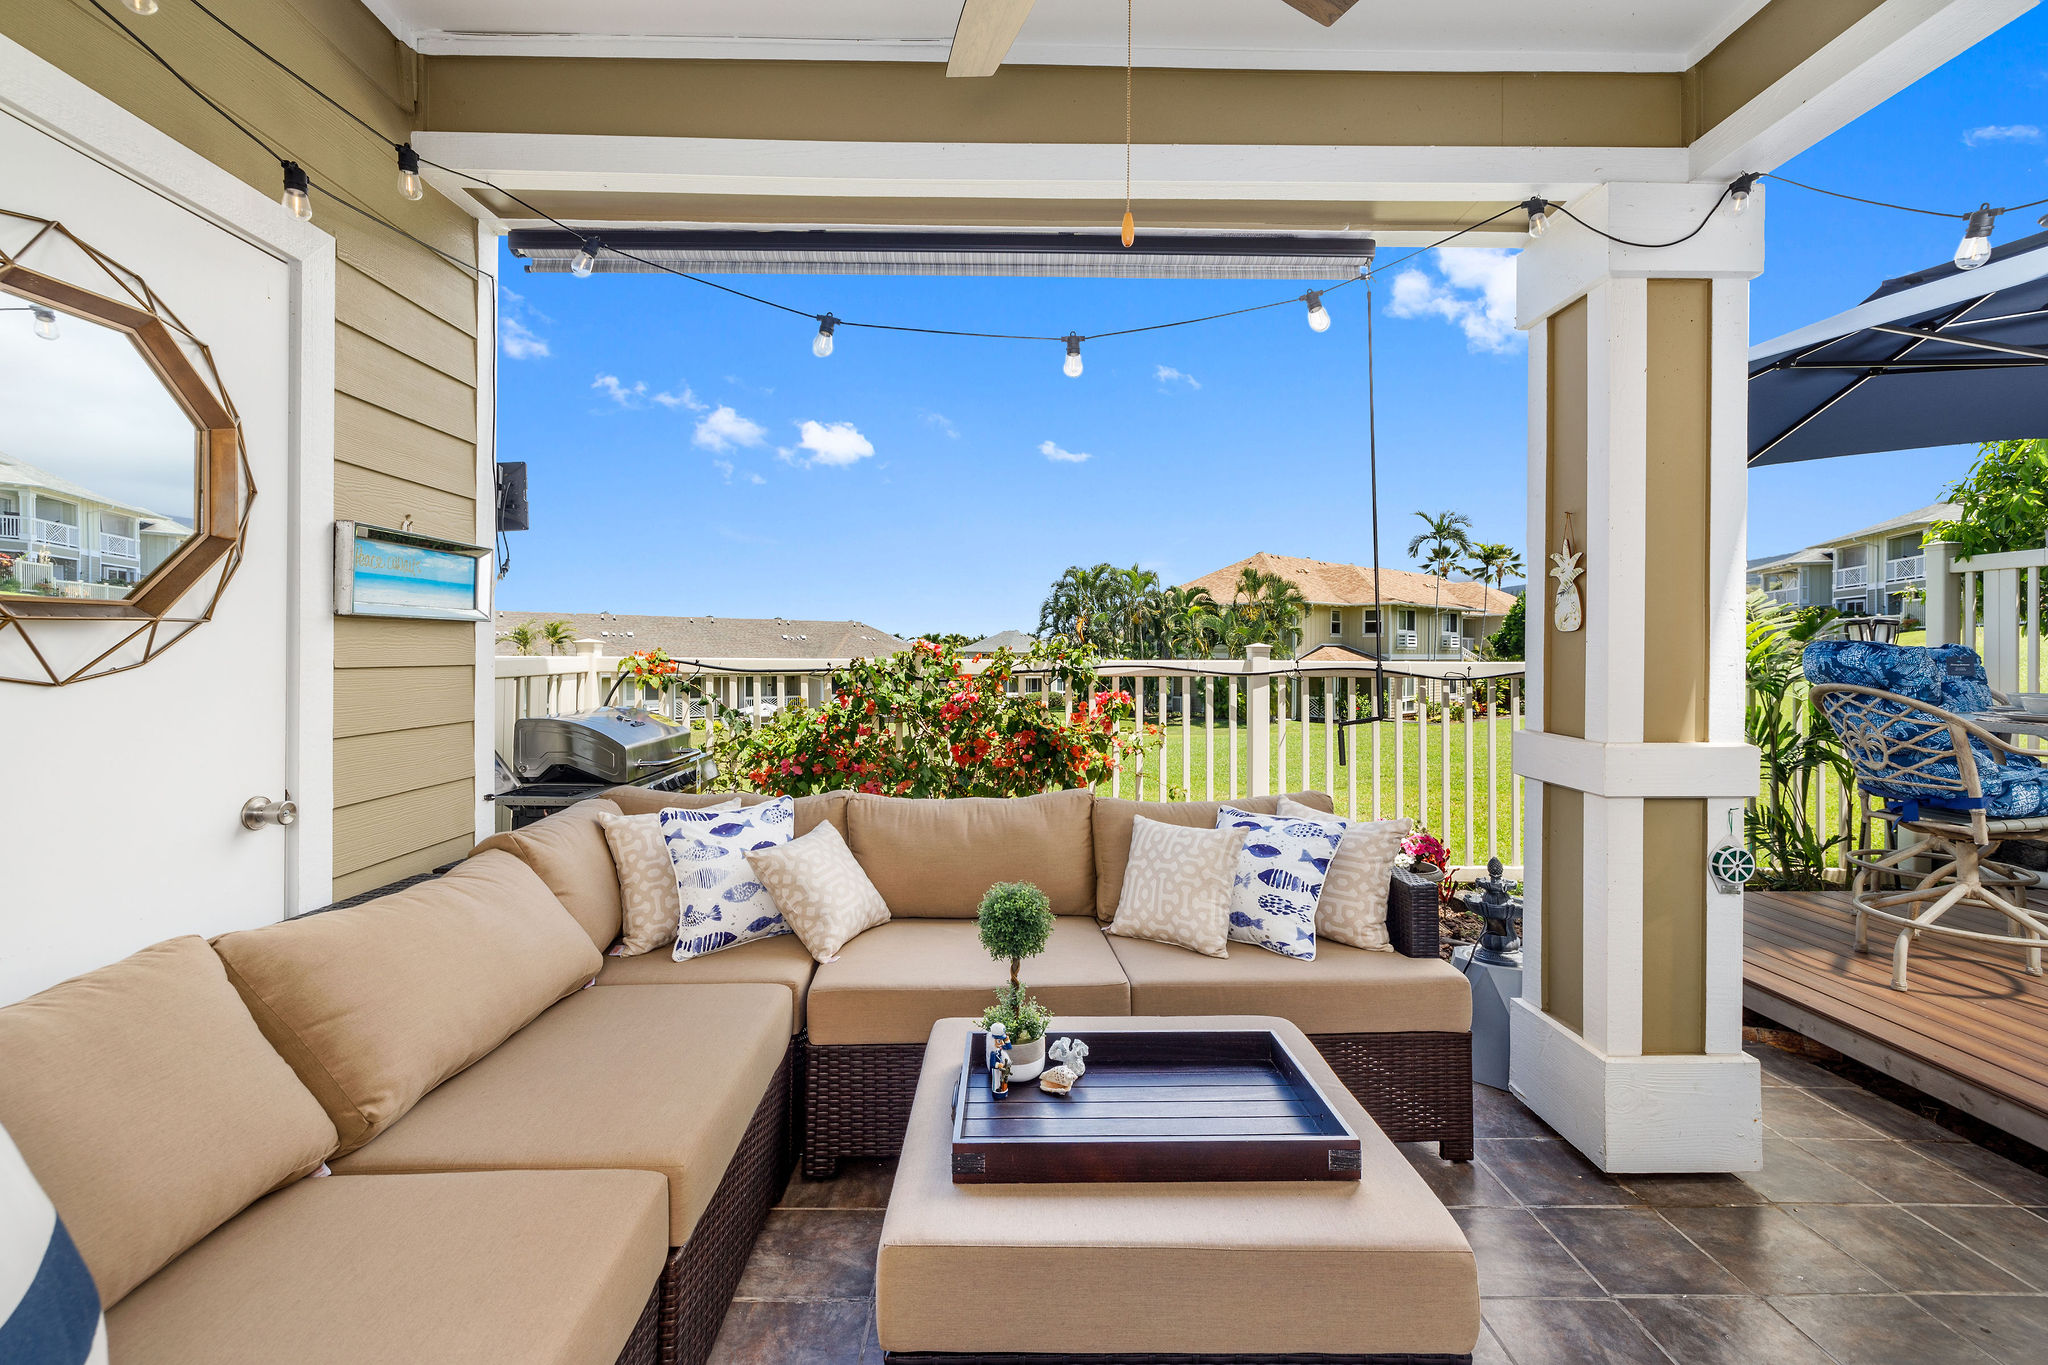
(1154,1106)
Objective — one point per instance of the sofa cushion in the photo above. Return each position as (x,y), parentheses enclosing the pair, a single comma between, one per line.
(825,897)
(1112,818)
(1344,990)
(545,1268)
(650,902)
(1353,906)
(722,902)
(49,1306)
(648,1078)
(810,810)
(935,859)
(377,1004)
(1177,886)
(778,961)
(568,852)
(150,1108)
(894,982)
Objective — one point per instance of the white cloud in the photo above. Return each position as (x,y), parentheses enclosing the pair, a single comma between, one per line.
(1058,456)
(723,429)
(833,443)
(724,467)
(2002,132)
(518,341)
(1166,374)
(1476,294)
(755,479)
(943,423)
(625,395)
(685,399)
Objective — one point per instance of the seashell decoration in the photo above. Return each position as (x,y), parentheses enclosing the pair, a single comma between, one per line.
(1069,1053)
(1057,1080)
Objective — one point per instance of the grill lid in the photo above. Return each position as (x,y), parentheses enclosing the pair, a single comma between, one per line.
(614,744)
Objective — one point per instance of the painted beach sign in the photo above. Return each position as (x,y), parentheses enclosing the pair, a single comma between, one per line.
(396,573)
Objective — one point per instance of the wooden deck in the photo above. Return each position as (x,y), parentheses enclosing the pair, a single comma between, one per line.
(1972,1031)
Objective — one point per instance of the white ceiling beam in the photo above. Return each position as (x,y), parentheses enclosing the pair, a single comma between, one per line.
(983,36)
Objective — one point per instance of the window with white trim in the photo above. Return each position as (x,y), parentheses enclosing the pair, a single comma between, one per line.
(1336,623)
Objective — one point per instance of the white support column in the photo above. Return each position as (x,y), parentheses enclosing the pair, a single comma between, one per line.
(1630,1046)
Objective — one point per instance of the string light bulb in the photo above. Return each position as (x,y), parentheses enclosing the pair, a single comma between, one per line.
(1738,192)
(145,8)
(586,258)
(1975,248)
(1535,207)
(298,192)
(821,344)
(409,173)
(46,322)
(1318,316)
(1071,366)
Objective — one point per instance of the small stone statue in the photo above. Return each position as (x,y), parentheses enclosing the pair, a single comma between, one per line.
(1501,943)
(1069,1052)
(998,1060)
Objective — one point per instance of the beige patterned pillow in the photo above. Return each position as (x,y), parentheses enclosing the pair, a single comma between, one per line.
(1353,906)
(821,890)
(650,905)
(1177,888)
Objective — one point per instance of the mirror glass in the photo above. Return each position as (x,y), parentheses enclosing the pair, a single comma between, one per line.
(99,465)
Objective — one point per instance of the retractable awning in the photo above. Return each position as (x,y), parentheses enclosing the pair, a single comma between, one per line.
(1939,357)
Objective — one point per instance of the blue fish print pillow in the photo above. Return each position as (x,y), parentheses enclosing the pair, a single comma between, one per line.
(1279,878)
(723,903)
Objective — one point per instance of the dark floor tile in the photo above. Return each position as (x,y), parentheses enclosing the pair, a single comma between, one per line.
(871,1353)
(1797,1114)
(826,1332)
(1737,1331)
(2010,1328)
(2015,1239)
(1550,1171)
(1990,1170)
(1910,1255)
(1874,1329)
(1890,1119)
(1634,1251)
(1772,1252)
(1498,1114)
(1900,1173)
(1457,1184)
(1781,1068)
(1570,1332)
(1518,1257)
(1691,1191)
(1793,1175)
(814,1254)
(1489,1351)
(860,1185)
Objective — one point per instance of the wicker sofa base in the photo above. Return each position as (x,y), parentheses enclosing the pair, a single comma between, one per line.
(1042,1358)
(698,1280)
(1416,1086)
(644,1346)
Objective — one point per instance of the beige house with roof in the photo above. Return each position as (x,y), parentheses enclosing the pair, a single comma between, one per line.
(1407,615)
(1877,571)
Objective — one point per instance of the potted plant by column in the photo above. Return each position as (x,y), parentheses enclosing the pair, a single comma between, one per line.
(1016,921)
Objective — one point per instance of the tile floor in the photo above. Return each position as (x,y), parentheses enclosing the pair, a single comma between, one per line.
(1871,1236)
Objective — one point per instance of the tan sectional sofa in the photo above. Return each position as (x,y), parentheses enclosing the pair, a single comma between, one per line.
(542,1153)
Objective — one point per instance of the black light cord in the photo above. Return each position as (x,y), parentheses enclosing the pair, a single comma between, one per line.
(1697,228)
(1882,204)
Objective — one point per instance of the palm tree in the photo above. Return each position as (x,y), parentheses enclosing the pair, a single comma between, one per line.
(559,636)
(1445,540)
(1080,605)
(1282,606)
(523,637)
(1492,562)
(1181,612)
(1137,609)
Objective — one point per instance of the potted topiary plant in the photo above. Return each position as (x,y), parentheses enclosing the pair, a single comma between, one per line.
(1016,921)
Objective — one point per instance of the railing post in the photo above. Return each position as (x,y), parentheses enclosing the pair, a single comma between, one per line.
(1257,711)
(587,695)
(1941,592)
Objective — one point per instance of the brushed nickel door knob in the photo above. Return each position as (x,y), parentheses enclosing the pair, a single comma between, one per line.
(259,811)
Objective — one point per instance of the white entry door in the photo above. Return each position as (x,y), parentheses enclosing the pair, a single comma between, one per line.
(120,797)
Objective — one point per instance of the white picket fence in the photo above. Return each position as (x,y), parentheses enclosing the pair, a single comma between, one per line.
(2001,593)
(1211,729)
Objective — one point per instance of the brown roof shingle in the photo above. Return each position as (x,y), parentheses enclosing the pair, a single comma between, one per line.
(1351,585)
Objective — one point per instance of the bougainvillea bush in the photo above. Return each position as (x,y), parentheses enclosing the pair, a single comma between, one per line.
(921,723)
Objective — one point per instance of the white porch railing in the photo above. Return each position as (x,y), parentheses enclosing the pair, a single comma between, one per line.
(122,547)
(1788,597)
(1855,576)
(60,533)
(1994,600)
(10,526)
(1906,569)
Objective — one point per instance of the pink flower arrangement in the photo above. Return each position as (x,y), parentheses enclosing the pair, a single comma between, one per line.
(1425,847)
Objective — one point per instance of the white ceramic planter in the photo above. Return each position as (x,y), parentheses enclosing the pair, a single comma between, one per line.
(1026,1060)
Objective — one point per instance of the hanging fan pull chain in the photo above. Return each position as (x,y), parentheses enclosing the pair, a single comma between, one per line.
(1130,229)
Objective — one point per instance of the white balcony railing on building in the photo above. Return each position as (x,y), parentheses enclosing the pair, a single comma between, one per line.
(121,547)
(1211,730)
(1855,576)
(10,526)
(59,533)
(1788,597)
(1906,569)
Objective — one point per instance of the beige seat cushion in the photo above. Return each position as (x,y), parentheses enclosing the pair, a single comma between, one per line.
(1113,817)
(648,1078)
(779,960)
(544,1268)
(811,811)
(893,982)
(1260,1269)
(937,858)
(650,901)
(1177,886)
(825,897)
(150,1108)
(377,1004)
(1344,990)
(568,852)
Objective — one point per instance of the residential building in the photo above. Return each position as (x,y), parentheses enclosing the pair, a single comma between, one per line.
(64,539)
(1016,641)
(1405,615)
(1877,571)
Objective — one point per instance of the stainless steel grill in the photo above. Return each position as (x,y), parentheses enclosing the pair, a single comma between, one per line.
(560,760)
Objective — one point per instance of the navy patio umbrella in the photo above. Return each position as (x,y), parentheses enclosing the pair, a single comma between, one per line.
(1939,357)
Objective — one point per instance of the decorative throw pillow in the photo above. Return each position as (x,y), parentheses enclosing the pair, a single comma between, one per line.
(1177,887)
(1353,906)
(823,892)
(49,1306)
(721,901)
(648,899)
(1279,877)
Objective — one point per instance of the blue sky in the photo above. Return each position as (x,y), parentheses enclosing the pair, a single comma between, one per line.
(688,455)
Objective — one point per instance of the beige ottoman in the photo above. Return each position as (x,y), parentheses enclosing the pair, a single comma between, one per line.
(1373,1271)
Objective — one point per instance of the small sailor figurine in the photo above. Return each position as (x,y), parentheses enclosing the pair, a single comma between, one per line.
(998,1060)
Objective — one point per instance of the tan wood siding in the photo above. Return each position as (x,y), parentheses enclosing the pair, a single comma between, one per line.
(1564,652)
(371,642)
(398,826)
(370,437)
(370,701)
(365,495)
(1748,61)
(382,313)
(1676,498)
(394,381)
(1674,926)
(409,865)
(368,767)
(1564,906)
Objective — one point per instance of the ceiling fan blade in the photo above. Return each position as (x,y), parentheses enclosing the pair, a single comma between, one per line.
(1324,12)
(983,35)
